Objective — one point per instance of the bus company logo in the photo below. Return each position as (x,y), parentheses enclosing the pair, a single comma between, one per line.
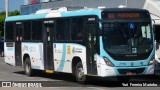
(69,50)
(25,48)
(134,50)
(6,84)
(73,50)
(32,49)
(76,50)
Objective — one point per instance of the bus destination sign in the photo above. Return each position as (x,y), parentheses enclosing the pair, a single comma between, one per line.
(123,15)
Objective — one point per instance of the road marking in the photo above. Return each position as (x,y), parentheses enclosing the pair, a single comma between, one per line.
(16,74)
(4,73)
(42,79)
(98,88)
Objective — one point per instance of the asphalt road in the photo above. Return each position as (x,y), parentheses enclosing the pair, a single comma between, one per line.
(63,81)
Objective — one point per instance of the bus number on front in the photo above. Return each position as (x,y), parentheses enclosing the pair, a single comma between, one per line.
(91,19)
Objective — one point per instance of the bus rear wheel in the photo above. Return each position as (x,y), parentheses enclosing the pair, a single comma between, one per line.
(27,67)
(80,77)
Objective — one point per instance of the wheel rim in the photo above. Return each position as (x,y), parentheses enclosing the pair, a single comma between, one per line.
(80,74)
(27,68)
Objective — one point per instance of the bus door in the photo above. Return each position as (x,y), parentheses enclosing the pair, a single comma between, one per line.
(157,52)
(18,40)
(91,29)
(48,44)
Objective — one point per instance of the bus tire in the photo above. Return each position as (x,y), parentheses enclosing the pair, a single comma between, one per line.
(79,72)
(27,67)
(2,54)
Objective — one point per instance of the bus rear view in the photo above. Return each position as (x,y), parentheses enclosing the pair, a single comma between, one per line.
(127,42)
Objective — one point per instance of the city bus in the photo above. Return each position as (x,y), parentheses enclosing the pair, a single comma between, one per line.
(101,42)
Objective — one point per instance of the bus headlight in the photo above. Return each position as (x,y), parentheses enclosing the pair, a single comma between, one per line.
(109,63)
(151,61)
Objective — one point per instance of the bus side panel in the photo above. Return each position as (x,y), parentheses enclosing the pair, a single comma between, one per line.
(9,52)
(75,50)
(35,52)
(62,63)
(64,54)
(57,50)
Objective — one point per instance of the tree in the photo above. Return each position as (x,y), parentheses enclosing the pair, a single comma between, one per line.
(2,19)
(14,13)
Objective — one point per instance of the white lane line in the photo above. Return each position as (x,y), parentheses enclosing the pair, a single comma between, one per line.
(17,74)
(98,88)
(4,73)
(3,80)
(42,79)
(36,78)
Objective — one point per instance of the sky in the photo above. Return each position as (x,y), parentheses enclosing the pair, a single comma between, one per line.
(13,4)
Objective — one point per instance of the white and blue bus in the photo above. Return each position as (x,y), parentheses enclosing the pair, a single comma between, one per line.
(99,42)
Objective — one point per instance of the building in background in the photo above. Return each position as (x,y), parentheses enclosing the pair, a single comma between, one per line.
(45,4)
(27,2)
(152,5)
(35,1)
(47,0)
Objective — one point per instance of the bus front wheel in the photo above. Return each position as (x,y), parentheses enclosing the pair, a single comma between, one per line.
(80,77)
(27,67)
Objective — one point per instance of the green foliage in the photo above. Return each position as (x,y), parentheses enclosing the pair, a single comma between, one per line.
(2,19)
(14,13)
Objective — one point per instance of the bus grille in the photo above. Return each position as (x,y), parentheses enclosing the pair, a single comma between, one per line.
(137,70)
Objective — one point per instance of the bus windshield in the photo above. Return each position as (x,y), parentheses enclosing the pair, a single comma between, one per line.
(127,37)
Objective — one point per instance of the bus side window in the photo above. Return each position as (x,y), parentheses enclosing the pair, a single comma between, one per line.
(62,29)
(9,34)
(27,29)
(36,30)
(77,31)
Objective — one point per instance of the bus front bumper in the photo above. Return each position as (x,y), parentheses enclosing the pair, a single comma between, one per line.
(107,71)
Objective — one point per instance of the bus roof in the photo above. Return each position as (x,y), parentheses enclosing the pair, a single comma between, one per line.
(25,17)
(55,14)
(80,12)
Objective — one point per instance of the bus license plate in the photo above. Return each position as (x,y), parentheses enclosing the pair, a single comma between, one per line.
(130,73)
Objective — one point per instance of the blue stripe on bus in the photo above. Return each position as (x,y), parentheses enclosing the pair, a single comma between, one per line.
(81,13)
(69,13)
(25,17)
(61,66)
